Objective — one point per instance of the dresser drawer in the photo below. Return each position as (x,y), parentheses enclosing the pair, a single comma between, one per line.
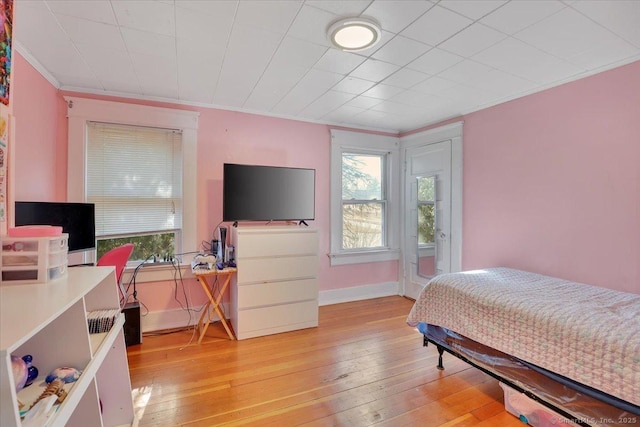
(269,320)
(272,293)
(275,243)
(259,270)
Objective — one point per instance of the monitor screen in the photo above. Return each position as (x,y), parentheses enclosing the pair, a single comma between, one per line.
(77,219)
(268,193)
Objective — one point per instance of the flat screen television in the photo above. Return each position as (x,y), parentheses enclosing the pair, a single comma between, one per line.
(77,219)
(268,193)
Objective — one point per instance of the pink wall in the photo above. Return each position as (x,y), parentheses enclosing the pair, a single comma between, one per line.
(552,182)
(40,150)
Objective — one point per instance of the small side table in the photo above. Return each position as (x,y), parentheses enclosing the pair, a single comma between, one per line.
(206,317)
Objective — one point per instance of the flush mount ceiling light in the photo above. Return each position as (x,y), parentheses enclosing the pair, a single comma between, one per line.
(354,34)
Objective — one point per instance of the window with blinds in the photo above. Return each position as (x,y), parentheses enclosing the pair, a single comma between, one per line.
(134,177)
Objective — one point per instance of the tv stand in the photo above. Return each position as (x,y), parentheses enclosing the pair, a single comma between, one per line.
(302,221)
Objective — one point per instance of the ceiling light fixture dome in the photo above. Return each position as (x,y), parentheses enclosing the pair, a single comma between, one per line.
(354,34)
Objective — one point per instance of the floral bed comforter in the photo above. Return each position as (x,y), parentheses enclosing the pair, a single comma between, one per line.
(586,333)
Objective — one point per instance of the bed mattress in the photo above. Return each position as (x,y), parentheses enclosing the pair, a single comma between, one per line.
(586,333)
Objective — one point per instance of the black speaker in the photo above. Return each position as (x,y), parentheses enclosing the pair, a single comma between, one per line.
(132,327)
(223,245)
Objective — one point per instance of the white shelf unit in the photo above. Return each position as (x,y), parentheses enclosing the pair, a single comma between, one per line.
(276,287)
(49,321)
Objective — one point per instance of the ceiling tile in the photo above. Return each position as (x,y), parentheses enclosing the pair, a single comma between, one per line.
(416,99)
(342,113)
(274,84)
(374,70)
(517,15)
(473,9)
(197,73)
(311,25)
(405,78)
(472,40)
(518,58)
(155,17)
(326,103)
(396,15)
(381,91)
(108,64)
(435,26)
(244,63)
(564,34)
(620,17)
(97,11)
(394,108)
(275,16)
(344,8)
(93,33)
(435,61)
(206,30)
(314,84)
(400,51)
(603,53)
(353,85)
(434,85)
(142,42)
(464,72)
(218,10)
(337,61)
(364,102)
(157,77)
(296,52)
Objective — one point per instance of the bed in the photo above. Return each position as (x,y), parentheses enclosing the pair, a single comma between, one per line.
(573,347)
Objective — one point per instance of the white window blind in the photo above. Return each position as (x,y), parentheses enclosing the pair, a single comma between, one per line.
(134,177)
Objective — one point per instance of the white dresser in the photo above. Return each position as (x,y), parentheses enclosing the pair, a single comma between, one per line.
(276,286)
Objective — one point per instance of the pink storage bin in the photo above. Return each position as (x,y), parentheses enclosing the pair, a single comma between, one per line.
(35,231)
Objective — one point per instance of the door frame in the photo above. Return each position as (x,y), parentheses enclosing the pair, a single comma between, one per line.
(452,132)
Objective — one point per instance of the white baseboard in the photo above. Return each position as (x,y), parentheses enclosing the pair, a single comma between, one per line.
(357,293)
(170,319)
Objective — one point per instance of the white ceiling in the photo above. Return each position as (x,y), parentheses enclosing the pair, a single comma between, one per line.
(436,60)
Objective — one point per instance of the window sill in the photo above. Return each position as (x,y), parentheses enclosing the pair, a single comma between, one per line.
(345,258)
(158,272)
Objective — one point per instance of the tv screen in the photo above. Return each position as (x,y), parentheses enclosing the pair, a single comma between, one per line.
(268,193)
(77,219)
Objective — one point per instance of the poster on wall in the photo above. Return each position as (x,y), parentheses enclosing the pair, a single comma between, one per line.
(4,160)
(6,28)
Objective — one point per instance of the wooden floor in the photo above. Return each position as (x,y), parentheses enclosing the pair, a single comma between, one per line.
(362,366)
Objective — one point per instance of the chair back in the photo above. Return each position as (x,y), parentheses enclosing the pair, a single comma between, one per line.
(118,258)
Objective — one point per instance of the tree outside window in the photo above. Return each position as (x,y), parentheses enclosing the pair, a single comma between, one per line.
(363,201)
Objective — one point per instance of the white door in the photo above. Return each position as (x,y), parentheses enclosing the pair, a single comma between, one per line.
(428,248)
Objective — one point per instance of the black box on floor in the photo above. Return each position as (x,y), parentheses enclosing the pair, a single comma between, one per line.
(132,327)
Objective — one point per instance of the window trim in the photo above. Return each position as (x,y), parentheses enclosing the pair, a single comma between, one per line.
(83,110)
(365,143)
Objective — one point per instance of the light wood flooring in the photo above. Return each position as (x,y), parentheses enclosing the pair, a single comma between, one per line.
(363,366)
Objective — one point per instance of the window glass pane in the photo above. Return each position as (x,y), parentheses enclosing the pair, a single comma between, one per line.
(362,225)
(362,177)
(427,189)
(161,244)
(426,224)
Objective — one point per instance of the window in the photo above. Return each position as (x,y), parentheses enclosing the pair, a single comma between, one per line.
(176,209)
(364,198)
(134,177)
(426,210)
(363,201)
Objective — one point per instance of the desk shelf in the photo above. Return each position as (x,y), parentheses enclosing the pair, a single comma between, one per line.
(56,334)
